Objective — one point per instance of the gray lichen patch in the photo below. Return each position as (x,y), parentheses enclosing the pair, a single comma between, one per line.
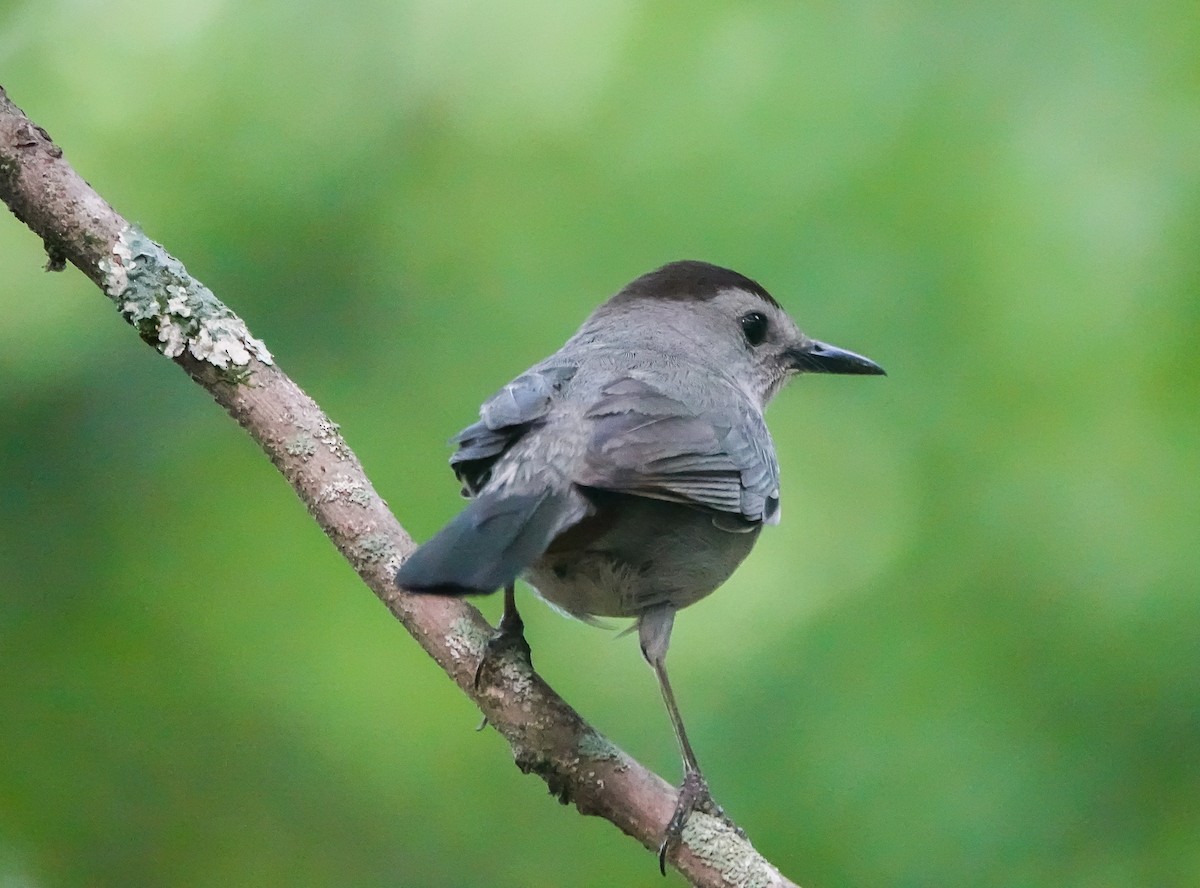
(301,445)
(516,676)
(348,490)
(718,845)
(376,547)
(328,433)
(358,494)
(173,311)
(597,747)
(465,641)
(320,430)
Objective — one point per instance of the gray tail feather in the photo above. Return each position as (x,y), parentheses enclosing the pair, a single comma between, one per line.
(491,541)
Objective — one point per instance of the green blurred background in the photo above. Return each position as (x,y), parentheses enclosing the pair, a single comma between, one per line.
(968,656)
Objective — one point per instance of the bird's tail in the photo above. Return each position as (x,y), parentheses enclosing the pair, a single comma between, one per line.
(491,541)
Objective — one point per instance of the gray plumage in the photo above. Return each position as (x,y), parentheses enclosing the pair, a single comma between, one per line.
(629,473)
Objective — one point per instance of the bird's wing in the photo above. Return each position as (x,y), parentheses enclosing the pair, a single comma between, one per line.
(645,442)
(503,419)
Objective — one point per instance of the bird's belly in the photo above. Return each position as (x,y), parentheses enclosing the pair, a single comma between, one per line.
(650,554)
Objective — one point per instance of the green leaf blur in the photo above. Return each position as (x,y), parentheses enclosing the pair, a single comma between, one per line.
(968,656)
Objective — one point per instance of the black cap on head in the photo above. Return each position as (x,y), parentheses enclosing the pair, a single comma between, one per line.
(689,279)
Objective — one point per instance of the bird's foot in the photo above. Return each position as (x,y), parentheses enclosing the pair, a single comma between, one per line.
(508,641)
(693,796)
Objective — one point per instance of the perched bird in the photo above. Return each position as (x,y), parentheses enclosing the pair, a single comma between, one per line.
(629,473)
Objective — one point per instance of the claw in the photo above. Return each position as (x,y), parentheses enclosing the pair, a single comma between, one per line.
(509,638)
(693,796)
(502,643)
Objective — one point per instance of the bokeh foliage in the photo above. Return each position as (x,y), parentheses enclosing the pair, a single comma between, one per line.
(967,656)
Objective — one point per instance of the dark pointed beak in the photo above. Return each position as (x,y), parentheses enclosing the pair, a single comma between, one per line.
(821,357)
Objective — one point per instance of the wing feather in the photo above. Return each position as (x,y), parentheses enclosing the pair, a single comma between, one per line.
(503,419)
(647,443)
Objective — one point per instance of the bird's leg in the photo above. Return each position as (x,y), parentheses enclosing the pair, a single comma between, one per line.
(509,637)
(693,791)
(654,632)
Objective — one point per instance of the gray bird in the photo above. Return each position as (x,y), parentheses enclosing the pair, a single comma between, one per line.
(629,473)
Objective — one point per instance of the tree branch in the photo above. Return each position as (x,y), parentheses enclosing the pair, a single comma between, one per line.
(182,319)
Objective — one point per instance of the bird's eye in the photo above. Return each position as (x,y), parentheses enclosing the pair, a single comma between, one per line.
(754,325)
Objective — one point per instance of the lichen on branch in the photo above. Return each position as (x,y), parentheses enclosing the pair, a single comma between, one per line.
(172,310)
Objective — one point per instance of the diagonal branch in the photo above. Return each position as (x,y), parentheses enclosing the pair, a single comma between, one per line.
(183,320)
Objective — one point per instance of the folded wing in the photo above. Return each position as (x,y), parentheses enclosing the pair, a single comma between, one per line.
(648,443)
(518,407)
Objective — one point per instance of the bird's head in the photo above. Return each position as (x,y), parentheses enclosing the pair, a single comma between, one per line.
(725,320)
